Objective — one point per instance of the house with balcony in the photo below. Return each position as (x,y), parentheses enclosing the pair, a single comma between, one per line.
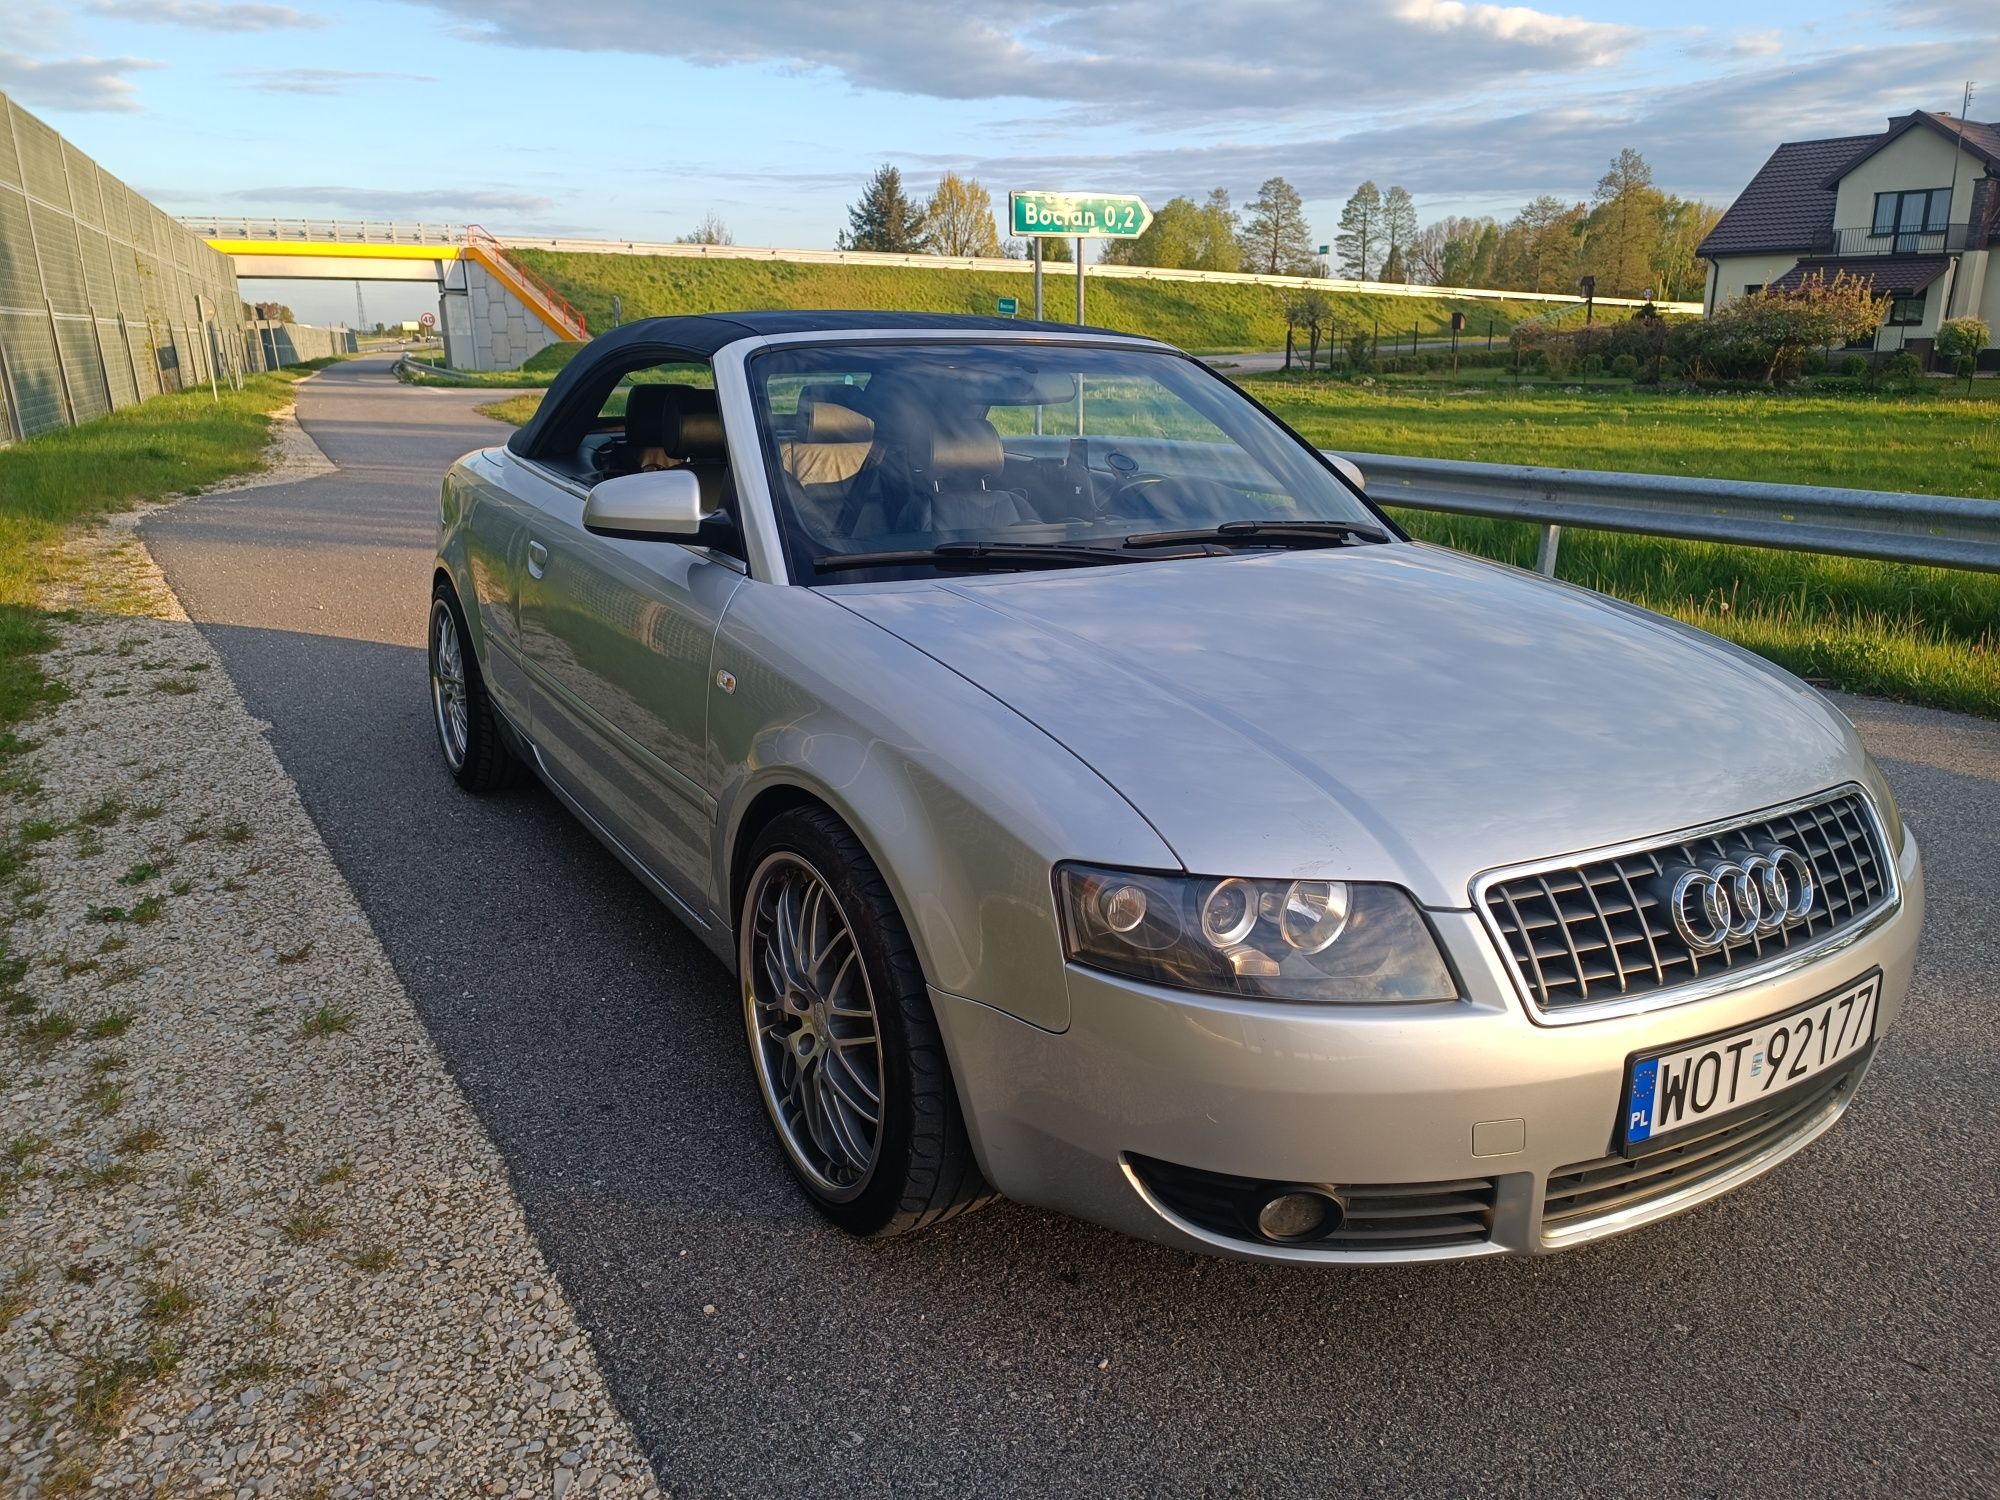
(1914,210)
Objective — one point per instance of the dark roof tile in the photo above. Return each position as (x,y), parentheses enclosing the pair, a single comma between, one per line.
(1787,205)
(1901,276)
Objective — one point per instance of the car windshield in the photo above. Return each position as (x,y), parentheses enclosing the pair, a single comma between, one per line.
(1024,454)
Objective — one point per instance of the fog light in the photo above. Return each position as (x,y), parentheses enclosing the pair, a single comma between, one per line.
(1297,1216)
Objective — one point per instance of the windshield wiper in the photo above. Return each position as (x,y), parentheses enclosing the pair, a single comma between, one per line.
(995,555)
(1266,534)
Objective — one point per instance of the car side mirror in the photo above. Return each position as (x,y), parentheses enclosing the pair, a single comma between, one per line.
(1350,471)
(664,505)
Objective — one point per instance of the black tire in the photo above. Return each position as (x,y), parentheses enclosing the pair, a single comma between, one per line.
(481,760)
(923,1170)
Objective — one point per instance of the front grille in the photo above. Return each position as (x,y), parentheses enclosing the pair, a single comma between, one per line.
(1578,1197)
(1599,931)
(1392,1216)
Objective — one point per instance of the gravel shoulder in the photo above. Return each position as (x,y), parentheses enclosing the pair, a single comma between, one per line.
(253,1240)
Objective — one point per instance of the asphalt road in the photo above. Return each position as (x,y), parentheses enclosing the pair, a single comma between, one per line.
(1829,1329)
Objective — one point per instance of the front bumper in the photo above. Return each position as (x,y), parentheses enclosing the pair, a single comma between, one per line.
(1473,1092)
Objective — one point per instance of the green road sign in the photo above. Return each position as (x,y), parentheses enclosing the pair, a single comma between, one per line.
(1007,307)
(1090,216)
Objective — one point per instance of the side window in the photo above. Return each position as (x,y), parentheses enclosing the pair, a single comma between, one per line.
(638,424)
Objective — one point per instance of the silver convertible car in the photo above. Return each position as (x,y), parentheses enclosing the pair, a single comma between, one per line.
(1101,802)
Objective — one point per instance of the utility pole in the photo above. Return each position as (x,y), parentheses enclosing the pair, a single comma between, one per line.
(1037,243)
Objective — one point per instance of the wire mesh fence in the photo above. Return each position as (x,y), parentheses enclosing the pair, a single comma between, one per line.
(104,299)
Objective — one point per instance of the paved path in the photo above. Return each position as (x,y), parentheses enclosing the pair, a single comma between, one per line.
(1830,1329)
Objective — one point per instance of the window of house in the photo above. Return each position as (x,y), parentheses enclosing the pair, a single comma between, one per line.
(1753,288)
(1907,312)
(1922,211)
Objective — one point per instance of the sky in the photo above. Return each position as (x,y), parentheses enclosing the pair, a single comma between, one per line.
(631,119)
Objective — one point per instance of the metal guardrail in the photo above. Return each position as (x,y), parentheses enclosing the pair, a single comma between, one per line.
(331,231)
(1943,531)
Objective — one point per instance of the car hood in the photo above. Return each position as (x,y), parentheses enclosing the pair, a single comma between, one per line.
(1400,713)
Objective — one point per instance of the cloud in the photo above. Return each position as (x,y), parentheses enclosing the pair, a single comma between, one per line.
(81,83)
(200,15)
(425,202)
(1704,138)
(1112,59)
(319,80)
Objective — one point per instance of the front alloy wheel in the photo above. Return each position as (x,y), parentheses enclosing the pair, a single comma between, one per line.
(843,1040)
(816,1043)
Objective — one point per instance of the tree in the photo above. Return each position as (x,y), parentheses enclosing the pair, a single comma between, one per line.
(1311,309)
(1623,231)
(710,231)
(1220,247)
(1275,239)
(1678,273)
(885,219)
(1768,335)
(1359,242)
(1184,235)
(959,217)
(1399,232)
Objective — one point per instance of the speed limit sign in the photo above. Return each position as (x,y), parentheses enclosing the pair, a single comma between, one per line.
(428,320)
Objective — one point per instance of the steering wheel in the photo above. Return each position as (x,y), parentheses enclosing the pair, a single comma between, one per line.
(1182,495)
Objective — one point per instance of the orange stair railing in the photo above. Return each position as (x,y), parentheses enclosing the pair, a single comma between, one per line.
(543,300)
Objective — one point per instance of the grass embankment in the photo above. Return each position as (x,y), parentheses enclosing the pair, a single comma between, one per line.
(166,446)
(1199,315)
(1927,635)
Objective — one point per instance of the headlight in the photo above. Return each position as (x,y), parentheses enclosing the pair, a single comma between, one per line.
(1885,803)
(1328,940)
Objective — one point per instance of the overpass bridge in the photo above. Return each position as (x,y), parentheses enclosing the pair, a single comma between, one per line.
(493,311)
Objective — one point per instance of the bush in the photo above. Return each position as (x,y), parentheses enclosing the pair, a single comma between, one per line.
(1964,366)
(1962,336)
(1767,337)
(1360,353)
(1815,363)
(1904,367)
(1855,366)
(1625,366)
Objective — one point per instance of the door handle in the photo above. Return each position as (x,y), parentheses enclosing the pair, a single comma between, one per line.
(538,559)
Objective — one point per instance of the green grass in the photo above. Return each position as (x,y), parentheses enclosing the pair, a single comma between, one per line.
(166,446)
(162,447)
(1936,442)
(1927,635)
(1200,315)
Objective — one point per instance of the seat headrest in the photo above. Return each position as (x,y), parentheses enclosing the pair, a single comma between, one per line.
(646,415)
(966,449)
(826,417)
(685,420)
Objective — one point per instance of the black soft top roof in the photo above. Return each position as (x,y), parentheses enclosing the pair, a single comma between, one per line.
(699,336)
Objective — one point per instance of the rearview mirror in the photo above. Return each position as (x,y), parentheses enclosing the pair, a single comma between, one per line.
(663,505)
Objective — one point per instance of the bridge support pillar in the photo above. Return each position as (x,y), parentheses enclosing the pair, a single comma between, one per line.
(486,327)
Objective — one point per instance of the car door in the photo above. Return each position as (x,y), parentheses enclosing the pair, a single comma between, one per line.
(618,639)
(496,533)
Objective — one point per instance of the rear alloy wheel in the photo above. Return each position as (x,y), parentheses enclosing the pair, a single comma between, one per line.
(846,1050)
(467,724)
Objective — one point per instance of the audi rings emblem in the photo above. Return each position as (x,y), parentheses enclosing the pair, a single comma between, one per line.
(1750,895)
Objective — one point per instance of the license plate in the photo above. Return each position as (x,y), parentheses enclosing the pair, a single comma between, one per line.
(1695,1082)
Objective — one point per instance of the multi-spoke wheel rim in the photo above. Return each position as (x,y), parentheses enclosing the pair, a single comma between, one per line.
(448,683)
(813,1029)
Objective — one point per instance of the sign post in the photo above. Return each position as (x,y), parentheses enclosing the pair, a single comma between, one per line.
(1082,216)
